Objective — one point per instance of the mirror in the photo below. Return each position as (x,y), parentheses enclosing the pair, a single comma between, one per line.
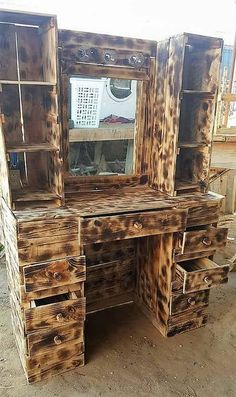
(101,125)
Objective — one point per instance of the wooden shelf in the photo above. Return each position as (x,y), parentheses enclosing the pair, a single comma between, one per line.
(185,185)
(105,132)
(186,145)
(20,82)
(32,147)
(204,94)
(27,194)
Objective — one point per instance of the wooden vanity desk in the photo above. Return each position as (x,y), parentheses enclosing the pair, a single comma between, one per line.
(80,234)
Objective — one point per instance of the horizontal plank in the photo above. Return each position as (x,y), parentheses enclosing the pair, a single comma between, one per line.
(69,38)
(105,132)
(120,227)
(34,195)
(110,302)
(32,147)
(105,71)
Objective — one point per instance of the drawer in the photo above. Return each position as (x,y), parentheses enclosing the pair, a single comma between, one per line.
(204,214)
(51,274)
(43,342)
(53,312)
(120,227)
(202,240)
(187,321)
(200,274)
(183,302)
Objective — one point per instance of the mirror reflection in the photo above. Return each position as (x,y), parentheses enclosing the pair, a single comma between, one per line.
(101,125)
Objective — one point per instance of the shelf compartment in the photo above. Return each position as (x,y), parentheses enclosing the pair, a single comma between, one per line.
(192,169)
(27,194)
(201,63)
(196,119)
(8,69)
(42,147)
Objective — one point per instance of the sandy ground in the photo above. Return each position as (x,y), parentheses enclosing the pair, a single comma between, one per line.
(126,355)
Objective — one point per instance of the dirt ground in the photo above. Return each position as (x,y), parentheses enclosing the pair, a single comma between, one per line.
(126,355)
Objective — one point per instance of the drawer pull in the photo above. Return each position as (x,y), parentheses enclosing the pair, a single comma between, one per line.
(59,317)
(57,340)
(207,280)
(138,225)
(191,301)
(57,276)
(206,241)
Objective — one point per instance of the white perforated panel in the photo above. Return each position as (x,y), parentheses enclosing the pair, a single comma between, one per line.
(86,96)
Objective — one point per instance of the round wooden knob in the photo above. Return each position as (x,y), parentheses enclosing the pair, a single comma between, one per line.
(138,225)
(191,301)
(206,241)
(57,340)
(207,280)
(59,317)
(57,276)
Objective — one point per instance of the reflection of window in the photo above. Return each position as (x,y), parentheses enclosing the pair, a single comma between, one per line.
(119,88)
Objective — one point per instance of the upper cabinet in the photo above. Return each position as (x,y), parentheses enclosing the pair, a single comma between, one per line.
(29,109)
(186,89)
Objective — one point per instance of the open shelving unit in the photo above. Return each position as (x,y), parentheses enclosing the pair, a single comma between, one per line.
(29,107)
(200,75)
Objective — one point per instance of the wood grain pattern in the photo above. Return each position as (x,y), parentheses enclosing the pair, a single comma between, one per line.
(47,342)
(200,274)
(54,274)
(204,240)
(99,229)
(55,314)
(183,302)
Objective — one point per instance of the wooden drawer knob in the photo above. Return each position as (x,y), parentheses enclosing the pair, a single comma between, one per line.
(138,225)
(207,280)
(57,276)
(191,301)
(206,241)
(57,340)
(59,317)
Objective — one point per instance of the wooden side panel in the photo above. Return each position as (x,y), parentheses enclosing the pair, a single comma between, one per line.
(159,111)
(4,174)
(49,50)
(154,274)
(172,112)
(101,229)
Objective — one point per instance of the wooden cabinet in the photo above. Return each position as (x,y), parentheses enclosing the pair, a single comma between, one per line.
(186,89)
(29,110)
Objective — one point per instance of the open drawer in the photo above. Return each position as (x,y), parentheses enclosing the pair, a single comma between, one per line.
(55,311)
(200,274)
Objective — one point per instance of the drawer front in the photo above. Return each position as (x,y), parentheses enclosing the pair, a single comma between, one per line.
(47,275)
(183,302)
(100,229)
(187,321)
(200,274)
(55,314)
(204,240)
(204,214)
(43,342)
